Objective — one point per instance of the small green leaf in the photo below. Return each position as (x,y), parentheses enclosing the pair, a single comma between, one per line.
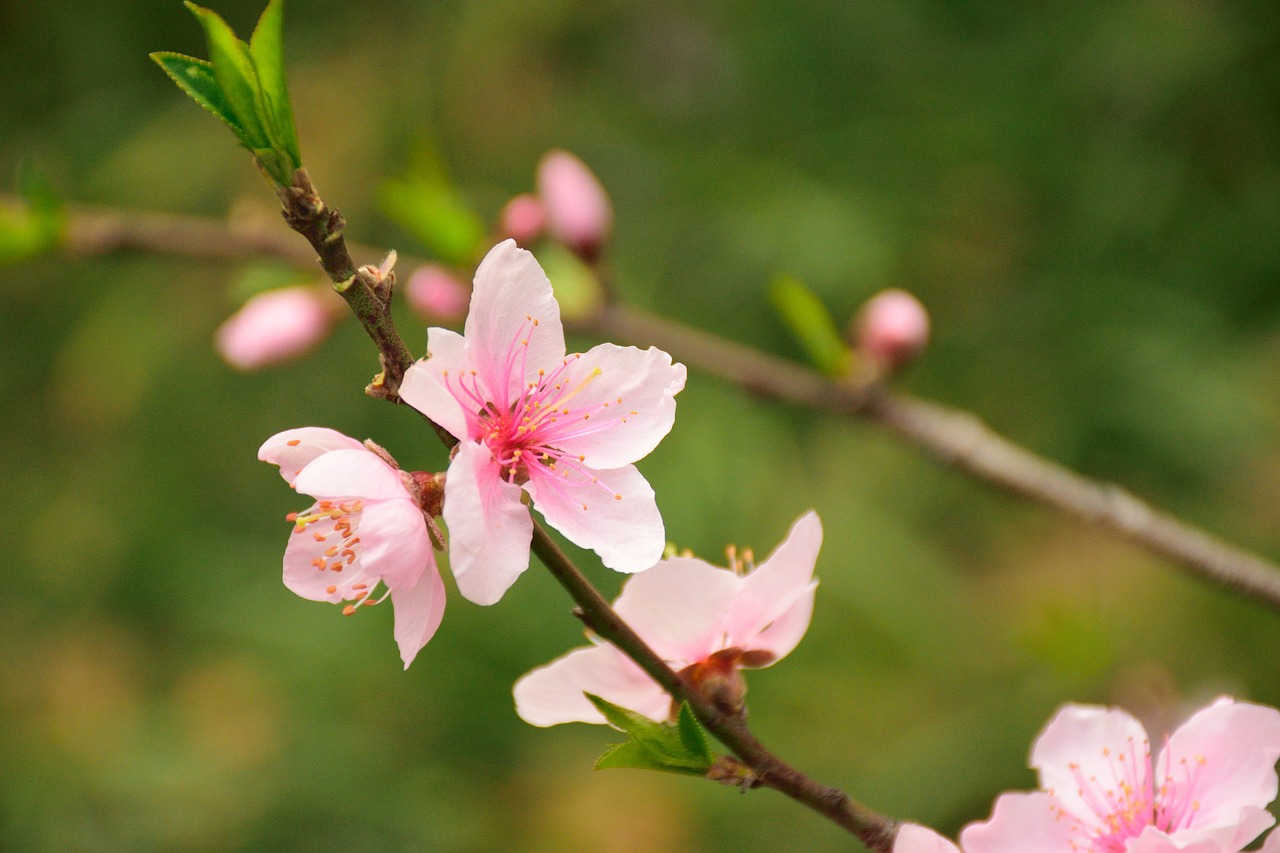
(692,735)
(195,77)
(653,745)
(576,285)
(811,324)
(437,216)
(234,72)
(266,47)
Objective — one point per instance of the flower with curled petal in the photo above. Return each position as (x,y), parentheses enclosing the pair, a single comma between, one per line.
(365,528)
(1205,792)
(704,621)
(565,429)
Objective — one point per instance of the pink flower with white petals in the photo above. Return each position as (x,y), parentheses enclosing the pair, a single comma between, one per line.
(1206,791)
(704,621)
(366,528)
(528,418)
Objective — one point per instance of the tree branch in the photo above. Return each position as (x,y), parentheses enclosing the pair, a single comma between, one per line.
(956,438)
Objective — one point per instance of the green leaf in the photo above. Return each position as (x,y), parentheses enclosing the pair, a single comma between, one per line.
(811,324)
(234,72)
(195,77)
(655,746)
(576,285)
(266,47)
(435,214)
(692,735)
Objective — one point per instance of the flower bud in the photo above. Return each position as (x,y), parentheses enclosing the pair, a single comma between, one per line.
(274,327)
(523,219)
(578,210)
(435,293)
(891,329)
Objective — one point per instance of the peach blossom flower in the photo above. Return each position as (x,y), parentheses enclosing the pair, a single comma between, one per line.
(528,418)
(274,327)
(578,210)
(366,528)
(702,620)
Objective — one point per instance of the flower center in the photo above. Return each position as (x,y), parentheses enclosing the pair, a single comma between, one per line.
(1124,802)
(333,526)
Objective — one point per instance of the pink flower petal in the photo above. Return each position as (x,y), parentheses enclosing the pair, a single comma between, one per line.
(350,473)
(578,210)
(630,395)
(489,528)
(553,694)
(316,566)
(1020,823)
(512,304)
(1272,844)
(610,512)
(1083,743)
(426,383)
(1153,840)
(679,607)
(913,838)
(294,449)
(275,326)
(1229,751)
(394,542)
(419,608)
(778,595)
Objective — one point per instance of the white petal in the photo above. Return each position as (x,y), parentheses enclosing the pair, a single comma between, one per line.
(678,607)
(1020,823)
(489,528)
(779,585)
(294,449)
(513,327)
(350,474)
(629,395)
(394,542)
(433,385)
(419,608)
(553,694)
(916,839)
(611,512)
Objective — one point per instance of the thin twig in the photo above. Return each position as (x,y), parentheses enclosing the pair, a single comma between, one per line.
(956,438)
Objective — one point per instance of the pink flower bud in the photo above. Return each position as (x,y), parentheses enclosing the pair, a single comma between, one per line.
(274,327)
(578,210)
(891,328)
(436,294)
(523,219)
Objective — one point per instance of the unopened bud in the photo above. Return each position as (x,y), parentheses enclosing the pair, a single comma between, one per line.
(274,327)
(891,329)
(435,293)
(578,210)
(523,219)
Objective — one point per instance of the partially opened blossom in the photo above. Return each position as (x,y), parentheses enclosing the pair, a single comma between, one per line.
(1103,790)
(523,219)
(365,528)
(276,326)
(704,621)
(529,419)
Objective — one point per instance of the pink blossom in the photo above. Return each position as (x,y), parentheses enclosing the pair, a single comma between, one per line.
(433,291)
(578,210)
(365,528)
(702,620)
(892,328)
(275,326)
(564,429)
(1206,791)
(523,219)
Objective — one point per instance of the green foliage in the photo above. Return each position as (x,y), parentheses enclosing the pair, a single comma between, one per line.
(576,285)
(679,748)
(427,204)
(32,225)
(244,86)
(811,324)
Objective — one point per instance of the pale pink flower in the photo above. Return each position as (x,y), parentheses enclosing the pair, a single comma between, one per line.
(523,219)
(703,620)
(579,213)
(434,292)
(1206,791)
(564,429)
(275,326)
(891,328)
(365,528)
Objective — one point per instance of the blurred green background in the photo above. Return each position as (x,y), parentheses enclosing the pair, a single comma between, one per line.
(1086,196)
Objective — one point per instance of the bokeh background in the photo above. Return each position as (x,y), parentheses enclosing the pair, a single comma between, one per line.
(1086,196)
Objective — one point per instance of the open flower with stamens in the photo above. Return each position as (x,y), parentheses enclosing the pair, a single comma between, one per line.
(366,533)
(528,418)
(1206,791)
(706,622)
